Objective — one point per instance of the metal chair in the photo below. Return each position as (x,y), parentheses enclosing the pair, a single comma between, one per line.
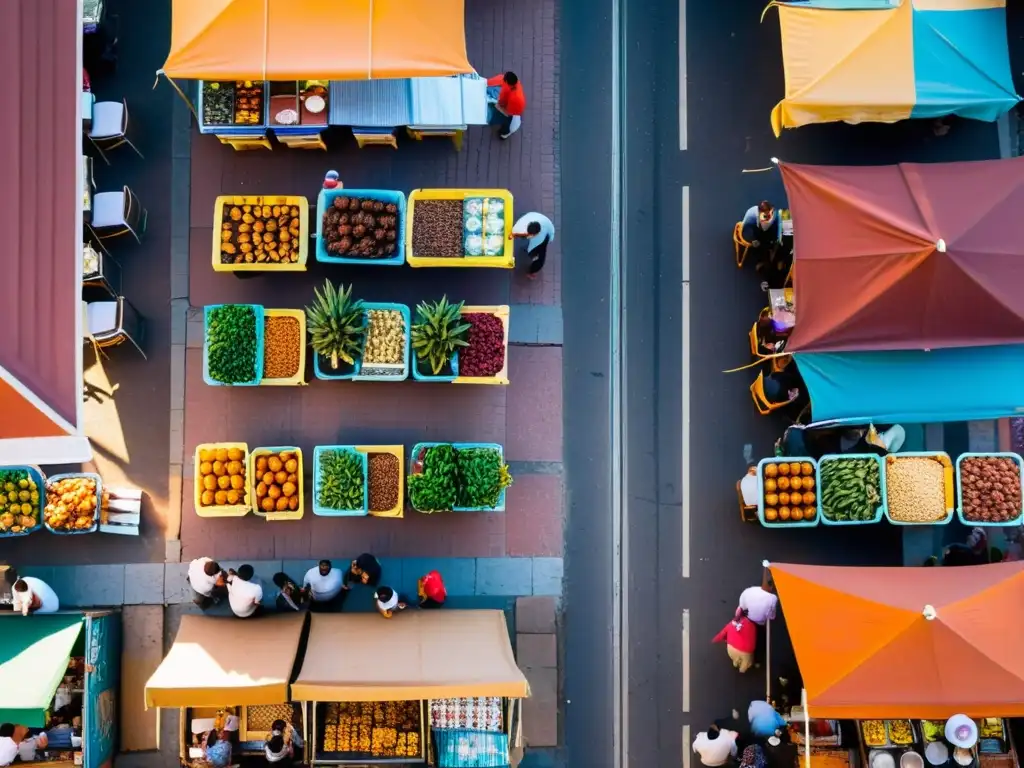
(109,128)
(742,247)
(761,401)
(111,323)
(117,213)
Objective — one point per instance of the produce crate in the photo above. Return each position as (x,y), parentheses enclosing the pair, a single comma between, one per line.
(418,376)
(499,507)
(258,368)
(225,510)
(398,451)
(507,260)
(882,507)
(252,482)
(948,486)
(959,487)
(325,373)
(501,377)
(761,492)
(290,200)
(401,371)
(325,511)
(326,198)
(99,498)
(37,475)
(299,379)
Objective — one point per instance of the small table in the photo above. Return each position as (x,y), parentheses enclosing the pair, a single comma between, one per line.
(100,271)
(783,309)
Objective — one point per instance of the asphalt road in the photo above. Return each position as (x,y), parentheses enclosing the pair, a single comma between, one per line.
(685,555)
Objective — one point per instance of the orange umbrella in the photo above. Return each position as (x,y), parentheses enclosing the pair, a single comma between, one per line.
(907,642)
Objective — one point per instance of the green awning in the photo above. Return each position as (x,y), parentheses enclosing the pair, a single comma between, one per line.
(34,656)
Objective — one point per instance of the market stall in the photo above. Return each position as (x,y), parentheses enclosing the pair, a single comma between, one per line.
(458,477)
(460,228)
(448,673)
(60,673)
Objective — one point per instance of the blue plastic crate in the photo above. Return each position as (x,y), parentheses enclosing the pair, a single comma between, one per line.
(325,511)
(258,367)
(920,454)
(326,375)
(959,486)
(427,377)
(463,748)
(99,498)
(37,475)
(407,318)
(457,446)
(326,199)
(879,513)
(760,492)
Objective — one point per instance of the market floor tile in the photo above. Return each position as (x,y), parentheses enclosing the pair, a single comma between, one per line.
(534,404)
(535,520)
(504,576)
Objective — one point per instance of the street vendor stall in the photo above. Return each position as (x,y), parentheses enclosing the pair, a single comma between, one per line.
(447,673)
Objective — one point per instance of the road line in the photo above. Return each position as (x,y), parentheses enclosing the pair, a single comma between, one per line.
(683,121)
(686,746)
(686,660)
(685,490)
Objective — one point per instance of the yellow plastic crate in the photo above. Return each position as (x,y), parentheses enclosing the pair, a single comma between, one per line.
(506,261)
(398,451)
(218,219)
(227,510)
(501,377)
(250,469)
(299,379)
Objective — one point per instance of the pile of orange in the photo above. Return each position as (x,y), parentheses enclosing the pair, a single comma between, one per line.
(789,494)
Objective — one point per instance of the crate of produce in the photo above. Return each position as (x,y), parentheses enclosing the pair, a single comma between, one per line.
(22,496)
(360,226)
(900,732)
(436,326)
(73,503)
(284,348)
(232,107)
(875,733)
(386,353)
(452,221)
(988,488)
(485,360)
(340,481)
(453,477)
(918,488)
(386,479)
(336,324)
(274,476)
(851,490)
(215,496)
(774,477)
(233,345)
(260,233)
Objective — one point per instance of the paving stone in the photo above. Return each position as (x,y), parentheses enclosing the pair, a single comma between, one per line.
(540,711)
(176,440)
(177,373)
(534,516)
(547,576)
(537,650)
(504,576)
(536,615)
(91,586)
(143,650)
(144,584)
(459,574)
(533,428)
(982,436)
(535,324)
(176,588)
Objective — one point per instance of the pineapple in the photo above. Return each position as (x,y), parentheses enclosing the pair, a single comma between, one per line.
(337,324)
(438,331)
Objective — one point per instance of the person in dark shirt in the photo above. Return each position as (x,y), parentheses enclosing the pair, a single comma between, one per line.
(784,386)
(291,597)
(365,569)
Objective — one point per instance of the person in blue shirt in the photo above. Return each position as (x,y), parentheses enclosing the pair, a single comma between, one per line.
(761,228)
(764,720)
(218,750)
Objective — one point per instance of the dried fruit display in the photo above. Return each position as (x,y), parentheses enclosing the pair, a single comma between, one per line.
(221,477)
(874,733)
(218,103)
(259,717)
(361,227)
(282,345)
(384,476)
(900,732)
(437,228)
(378,729)
(71,504)
(259,234)
(248,102)
(916,488)
(851,489)
(485,355)
(990,489)
(385,337)
(782,484)
(278,478)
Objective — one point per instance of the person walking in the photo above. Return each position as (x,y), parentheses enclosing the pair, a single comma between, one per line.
(431,591)
(740,638)
(323,584)
(539,233)
(32,595)
(244,593)
(365,569)
(207,580)
(388,601)
(505,93)
(290,597)
(716,746)
(764,720)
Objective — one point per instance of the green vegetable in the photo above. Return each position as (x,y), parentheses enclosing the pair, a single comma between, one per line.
(851,489)
(231,344)
(342,485)
(437,332)
(481,477)
(435,488)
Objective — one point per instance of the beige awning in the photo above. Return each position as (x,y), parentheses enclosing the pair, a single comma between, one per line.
(415,655)
(217,662)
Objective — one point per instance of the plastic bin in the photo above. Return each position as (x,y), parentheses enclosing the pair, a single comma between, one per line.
(299,379)
(403,373)
(959,487)
(233,129)
(99,498)
(258,367)
(252,482)
(499,507)
(225,510)
(948,483)
(506,260)
(326,199)
(36,474)
(444,378)
(326,511)
(398,451)
(325,374)
(882,507)
(760,492)
(501,377)
(290,200)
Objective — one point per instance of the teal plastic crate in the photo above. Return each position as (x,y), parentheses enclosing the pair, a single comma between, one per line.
(258,367)
(407,319)
(500,507)
(327,511)
(920,454)
(326,375)
(99,499)
(879,513)
(959,487)
(427,377)
(760,492)
(37,475)
(326,198)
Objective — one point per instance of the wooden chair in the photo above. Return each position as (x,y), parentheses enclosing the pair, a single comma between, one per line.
(748,513)
(109,129)
(742,247)
(112,323)
(118,213)
(764,406)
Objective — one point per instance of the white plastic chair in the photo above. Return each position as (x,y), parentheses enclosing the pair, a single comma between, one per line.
(115,213)
(105,324)
(109,128)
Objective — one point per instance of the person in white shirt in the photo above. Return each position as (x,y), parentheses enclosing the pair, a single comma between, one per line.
(388,601)
(28,746)
(32,595)
(539,233)
(748,487)
(759,604)
(8,747)
(245,595)
(715,746)
(323,584)
(207,579)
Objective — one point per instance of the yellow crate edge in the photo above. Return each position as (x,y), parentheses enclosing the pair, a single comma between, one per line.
(299,379)
(233,510)
(218,218)
(501,377)
(397,511)
(276,516)
(506,261)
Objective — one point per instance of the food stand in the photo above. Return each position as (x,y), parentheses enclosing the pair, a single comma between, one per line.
(61,672)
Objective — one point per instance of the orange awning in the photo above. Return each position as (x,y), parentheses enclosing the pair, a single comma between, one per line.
(316,39)
(907,642)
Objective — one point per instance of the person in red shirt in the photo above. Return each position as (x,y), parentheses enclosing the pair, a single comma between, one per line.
(431,590)
(511,102)
(740,638)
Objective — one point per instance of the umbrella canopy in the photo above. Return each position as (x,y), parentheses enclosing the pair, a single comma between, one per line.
(906,642)
(888,60)
(907,256)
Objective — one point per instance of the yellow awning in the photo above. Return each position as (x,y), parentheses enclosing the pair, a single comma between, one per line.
(415,655)
(216,662)
(316,39)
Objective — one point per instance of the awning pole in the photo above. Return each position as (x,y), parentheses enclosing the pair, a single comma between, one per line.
(807,728)
(768,659)
(180,92)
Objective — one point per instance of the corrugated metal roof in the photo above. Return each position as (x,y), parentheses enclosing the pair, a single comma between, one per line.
(39,194)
